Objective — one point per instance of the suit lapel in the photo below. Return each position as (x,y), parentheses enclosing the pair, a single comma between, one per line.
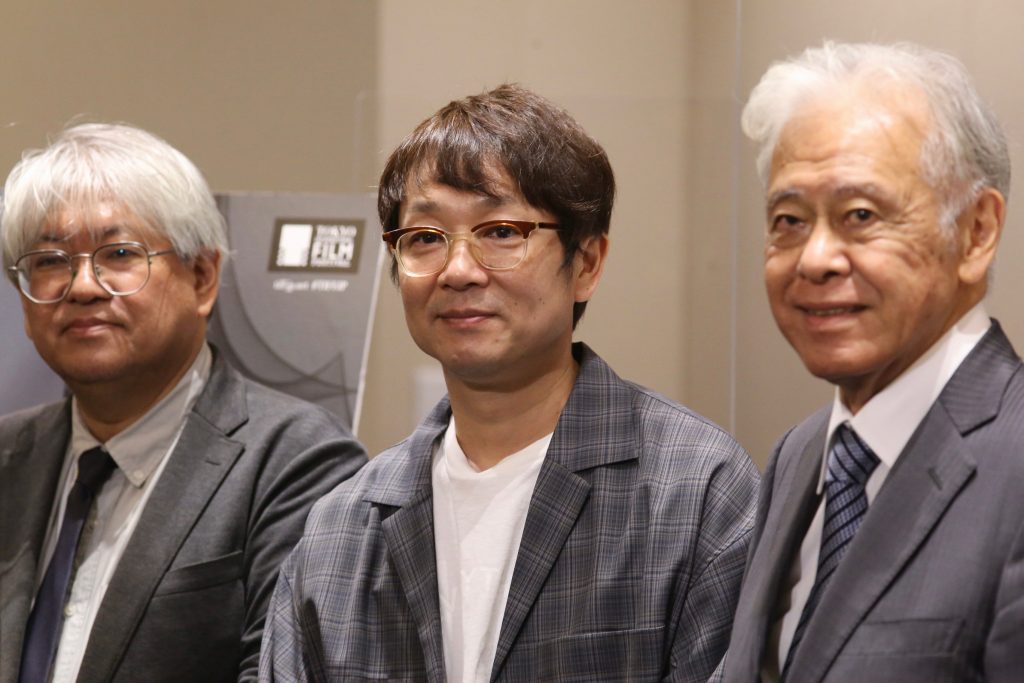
(925,481)
(409,534)
(201,459)
(931,471)
(405,498)
(557,501)
(796,495)
(596,428)
(32,467)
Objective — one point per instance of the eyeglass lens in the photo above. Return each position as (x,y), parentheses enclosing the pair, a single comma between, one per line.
(120,269)
(500,246)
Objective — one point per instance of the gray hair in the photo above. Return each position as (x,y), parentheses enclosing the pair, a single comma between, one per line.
(965,149)
(126,166)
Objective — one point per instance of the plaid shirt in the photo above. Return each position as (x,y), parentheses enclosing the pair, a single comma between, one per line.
(628,570)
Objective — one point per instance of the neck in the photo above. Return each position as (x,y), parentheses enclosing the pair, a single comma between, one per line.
(495,422)
(109,408)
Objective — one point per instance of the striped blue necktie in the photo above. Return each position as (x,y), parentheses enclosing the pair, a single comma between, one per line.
(850,463)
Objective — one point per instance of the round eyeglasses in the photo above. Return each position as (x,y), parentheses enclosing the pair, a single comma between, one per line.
(496,245)
(120,268)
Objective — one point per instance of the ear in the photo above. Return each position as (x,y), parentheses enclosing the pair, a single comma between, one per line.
(589,266)
(980,226)
(206,271)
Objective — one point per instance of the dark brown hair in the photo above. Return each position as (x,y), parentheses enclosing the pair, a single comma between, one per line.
(556,166)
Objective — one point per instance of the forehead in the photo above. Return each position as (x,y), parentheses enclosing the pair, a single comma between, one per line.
(424,195)
(849,138)
(102,221)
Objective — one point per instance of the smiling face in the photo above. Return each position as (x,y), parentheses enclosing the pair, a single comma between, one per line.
(861,275)
(144,339)
(494,328)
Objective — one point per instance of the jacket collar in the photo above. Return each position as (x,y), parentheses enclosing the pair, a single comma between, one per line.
(590,433)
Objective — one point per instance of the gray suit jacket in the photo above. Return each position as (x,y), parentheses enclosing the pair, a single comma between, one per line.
(628,568)
(188,599)
(932,586)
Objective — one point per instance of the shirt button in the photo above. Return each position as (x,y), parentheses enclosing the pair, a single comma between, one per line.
(69,611)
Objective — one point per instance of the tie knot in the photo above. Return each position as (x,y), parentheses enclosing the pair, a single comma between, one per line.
(94,466)
(850,459)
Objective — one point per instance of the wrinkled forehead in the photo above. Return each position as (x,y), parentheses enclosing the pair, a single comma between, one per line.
(96,223)
(885,126)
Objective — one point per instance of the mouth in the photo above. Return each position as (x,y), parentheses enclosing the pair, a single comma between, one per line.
(465,316)
(831,311)
(87,326)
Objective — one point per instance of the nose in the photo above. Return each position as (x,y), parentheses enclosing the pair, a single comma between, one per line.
(462,269)
(84,285)
(823,256)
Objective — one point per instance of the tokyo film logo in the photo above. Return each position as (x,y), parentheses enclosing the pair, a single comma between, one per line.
(316,245)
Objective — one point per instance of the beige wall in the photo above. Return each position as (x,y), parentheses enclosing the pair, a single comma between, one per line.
(312,96)
(261,95)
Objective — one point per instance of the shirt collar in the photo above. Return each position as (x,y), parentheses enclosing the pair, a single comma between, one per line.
(140,448)
(909,396)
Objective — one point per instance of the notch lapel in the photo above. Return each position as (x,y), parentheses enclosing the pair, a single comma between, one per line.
(557,501)
(409,534)
(201,460)
(934,467)
(407,501)
(926,479)
(31,476)
(198,465)
(796,497)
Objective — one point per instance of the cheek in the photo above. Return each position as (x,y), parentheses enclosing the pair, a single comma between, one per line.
(777,272)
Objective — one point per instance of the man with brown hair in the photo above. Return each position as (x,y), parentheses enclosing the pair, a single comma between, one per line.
(548,520)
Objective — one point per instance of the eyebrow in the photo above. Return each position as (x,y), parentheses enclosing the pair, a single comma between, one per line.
(843,191)
(429,205)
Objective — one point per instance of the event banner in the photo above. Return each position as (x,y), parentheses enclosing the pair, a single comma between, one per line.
(298,293)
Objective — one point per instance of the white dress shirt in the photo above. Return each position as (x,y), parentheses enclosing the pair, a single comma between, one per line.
(885,423)
(140,452)
(478,524)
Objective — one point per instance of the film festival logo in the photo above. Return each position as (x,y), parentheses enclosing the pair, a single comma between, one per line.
(316,245)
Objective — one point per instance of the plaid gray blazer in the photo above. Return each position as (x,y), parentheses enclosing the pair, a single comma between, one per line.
(629,567)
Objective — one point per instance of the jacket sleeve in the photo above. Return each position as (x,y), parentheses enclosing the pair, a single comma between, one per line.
(282,656)
(1004,648)
(297,475)
(702,631)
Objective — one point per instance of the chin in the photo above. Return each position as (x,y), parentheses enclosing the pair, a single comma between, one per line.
(91,374)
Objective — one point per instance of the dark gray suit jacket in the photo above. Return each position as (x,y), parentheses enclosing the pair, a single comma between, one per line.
(932,587)
(628,569)
(188,599)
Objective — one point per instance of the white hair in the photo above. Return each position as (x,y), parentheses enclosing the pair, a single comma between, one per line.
(93,163)
(965,149)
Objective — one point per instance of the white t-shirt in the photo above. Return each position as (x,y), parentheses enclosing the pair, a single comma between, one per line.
(478,524)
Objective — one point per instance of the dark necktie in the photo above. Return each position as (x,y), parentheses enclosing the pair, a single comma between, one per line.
(44,624)
(850,463)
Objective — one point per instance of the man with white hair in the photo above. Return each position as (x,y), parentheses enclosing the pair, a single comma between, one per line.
(889,543)
(143,519)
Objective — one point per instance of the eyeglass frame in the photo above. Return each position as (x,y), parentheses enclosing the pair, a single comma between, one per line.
(391,237)
(15,273)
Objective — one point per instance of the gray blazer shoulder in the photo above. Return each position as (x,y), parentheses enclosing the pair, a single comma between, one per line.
(189,596)
(932,587)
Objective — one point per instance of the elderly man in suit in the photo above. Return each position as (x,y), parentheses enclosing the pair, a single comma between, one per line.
(144,519)
(547,521)
(889,543)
